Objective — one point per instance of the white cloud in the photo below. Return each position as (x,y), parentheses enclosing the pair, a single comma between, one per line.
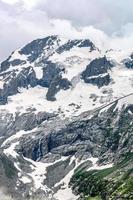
(27,4)
(24,20)
(11,2)
(108,15)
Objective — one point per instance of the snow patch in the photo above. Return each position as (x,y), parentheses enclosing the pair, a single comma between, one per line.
(1,84)
(10,151)
(25,179)
(39,72)
(17,55)
(96,167)
(38,174)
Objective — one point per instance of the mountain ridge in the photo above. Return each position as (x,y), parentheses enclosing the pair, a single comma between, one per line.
(65,106)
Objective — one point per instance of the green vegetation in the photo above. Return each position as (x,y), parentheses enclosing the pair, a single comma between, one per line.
(10,170)
(112,183)
(92,198)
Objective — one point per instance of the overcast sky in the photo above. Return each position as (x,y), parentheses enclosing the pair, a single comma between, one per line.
(108,23)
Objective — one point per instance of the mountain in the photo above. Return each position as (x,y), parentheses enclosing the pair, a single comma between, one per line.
(66,121)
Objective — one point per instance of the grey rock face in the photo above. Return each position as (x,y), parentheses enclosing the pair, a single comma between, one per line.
(78,43)
(58,171)
(107,135)
(56,85)
(26,121)
(53,80)
(17,62)
(15,80)
(6,121)
(8,174)
(26,77)
(7,63)
(97,72)
(87,43)
(36,48)
(129,62)
(30,120)
(95,137)
(50,72)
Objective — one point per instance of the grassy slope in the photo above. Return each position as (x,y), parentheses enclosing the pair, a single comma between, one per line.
(110,183)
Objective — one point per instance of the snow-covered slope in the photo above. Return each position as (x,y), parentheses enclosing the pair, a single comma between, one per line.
(47,73)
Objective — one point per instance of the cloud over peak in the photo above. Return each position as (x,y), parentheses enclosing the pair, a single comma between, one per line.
(108,23)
